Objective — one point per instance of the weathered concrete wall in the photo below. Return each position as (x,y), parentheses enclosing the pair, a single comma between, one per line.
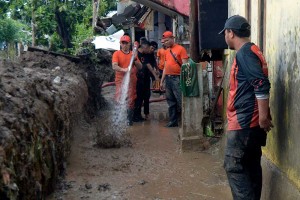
(191,133)
(236,7)
(282,163)
(276,185)
(283,56)
(254,21)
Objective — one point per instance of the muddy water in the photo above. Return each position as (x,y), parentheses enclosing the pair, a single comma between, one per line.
(153,168)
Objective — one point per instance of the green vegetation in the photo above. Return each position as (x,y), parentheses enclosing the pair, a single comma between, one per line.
(60,25)
(11,31)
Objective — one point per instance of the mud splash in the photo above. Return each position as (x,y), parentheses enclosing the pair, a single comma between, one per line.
(112,131)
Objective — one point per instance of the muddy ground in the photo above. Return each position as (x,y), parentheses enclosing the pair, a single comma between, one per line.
(152,168)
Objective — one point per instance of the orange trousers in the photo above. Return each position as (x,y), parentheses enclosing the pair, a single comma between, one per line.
(131,95)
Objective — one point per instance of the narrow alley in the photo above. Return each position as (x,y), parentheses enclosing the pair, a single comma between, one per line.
(152,168)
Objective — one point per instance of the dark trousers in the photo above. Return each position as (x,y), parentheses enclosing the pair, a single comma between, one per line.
(242,162)
(143,95)
(173,95)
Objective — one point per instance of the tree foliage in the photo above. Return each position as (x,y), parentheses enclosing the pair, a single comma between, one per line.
(12,31)
(63,21)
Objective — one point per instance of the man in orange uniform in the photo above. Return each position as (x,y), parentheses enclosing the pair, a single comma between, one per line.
(175,56)
(120,63)
(161,58)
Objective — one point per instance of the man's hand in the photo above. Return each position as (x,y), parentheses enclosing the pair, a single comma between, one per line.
(161,86)
(124,69)
(265,120)
(266,124)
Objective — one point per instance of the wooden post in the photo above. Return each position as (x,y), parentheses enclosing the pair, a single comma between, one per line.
(146,34)
(194,29)
(132,30)
(174,25)
(191,133)
(161,27)
(95,12)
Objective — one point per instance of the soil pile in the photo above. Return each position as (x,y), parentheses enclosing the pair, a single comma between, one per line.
(40,98)
(97,69)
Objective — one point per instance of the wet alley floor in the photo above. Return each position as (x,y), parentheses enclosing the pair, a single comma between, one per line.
(153,168)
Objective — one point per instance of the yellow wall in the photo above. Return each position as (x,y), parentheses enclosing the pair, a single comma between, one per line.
(283,55)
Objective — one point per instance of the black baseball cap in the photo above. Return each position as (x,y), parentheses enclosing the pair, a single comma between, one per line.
(236,22)
(153,44)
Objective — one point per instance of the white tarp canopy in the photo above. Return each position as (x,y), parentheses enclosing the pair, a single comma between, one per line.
(111,42)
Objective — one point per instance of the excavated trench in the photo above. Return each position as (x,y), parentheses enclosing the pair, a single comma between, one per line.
(48,102)
(42,96)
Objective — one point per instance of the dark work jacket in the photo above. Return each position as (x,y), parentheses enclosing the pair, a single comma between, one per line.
(248,78)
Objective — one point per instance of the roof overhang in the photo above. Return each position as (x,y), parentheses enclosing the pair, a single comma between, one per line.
(159,7)
(131,14)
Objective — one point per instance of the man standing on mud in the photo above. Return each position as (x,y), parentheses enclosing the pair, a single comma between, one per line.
(120,63)
(175,56)
(248,112)
(143,81)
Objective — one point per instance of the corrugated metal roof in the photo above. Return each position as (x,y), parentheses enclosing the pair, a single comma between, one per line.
(131,14)
(171,8)
(180,6)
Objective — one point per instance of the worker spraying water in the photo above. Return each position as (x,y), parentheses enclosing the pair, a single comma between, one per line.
(111,132)
(125,64)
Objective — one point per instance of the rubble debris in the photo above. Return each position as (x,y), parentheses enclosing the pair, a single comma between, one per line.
(98,69)
(88,186)
(142,182)
(104,187)
(37,115)
(35,122)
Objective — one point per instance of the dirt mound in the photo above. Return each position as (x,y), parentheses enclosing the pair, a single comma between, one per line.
(98,68)
(40,97)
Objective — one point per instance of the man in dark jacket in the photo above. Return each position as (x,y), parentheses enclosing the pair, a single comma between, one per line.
(143,81)
(248,112)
